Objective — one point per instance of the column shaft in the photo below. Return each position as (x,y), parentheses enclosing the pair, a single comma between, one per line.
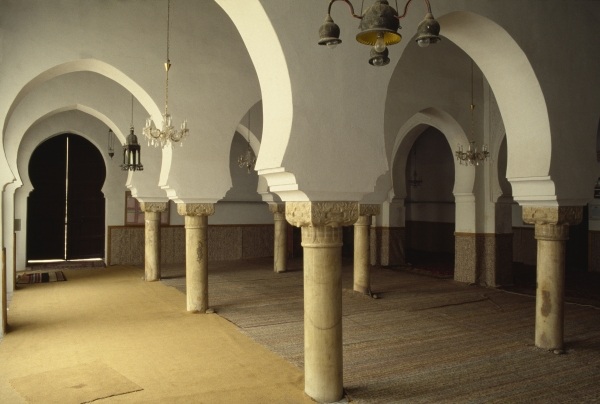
(549,313)
(280,242)
(152,246)
(551,231)
(323,360)
(362,281)
(196,265)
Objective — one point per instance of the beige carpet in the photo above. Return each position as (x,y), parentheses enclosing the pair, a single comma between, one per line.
(141,331)
(82,383)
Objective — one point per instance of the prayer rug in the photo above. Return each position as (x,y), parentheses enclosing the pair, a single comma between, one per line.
(41,277)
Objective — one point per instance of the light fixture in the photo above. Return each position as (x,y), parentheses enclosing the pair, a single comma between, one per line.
(472,156)
(111,143)
(132,154)
(247,159)
(161,137)
(379,28)
(415,181)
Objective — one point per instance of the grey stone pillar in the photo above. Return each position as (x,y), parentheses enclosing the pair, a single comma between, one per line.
(362,244)
(322,245)
(152,211)
(196,253)
(280,237)
(551,232)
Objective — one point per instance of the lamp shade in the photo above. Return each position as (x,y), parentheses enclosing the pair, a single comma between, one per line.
(329,33)
(379,21)
(379,58)
(428,31)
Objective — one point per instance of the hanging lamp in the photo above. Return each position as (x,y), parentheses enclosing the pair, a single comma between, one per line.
(379,28)
(472,156)
(167,134)
(132,154)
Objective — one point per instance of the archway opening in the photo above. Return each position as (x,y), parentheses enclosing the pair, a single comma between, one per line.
(65,210)
(430,207)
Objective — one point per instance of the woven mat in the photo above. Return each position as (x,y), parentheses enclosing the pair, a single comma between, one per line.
(41,277)
(78,384)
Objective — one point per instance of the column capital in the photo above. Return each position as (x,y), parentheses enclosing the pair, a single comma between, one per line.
(196,209)
(554,215)
(368,209)
(275,207)
(332,214)
(155,207)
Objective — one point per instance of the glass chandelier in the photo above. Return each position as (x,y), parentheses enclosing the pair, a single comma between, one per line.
(247,159)
(161,137)
(472,156)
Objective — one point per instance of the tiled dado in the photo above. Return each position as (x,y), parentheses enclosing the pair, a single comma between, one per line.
(484,259)
(387,246)
(126,243)
(594,251)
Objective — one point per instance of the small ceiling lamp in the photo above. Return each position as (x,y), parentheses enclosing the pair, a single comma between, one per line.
(247,159)
(161,137)
(379,28)
(111,143)
(472,156)
(132,154)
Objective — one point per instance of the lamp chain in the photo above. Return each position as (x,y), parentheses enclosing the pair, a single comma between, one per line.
(131,125)
(168,63)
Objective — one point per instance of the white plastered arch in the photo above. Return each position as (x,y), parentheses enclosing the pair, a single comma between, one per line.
(525,116)
(256,29)
(19,121)
(464,176)
(454,133)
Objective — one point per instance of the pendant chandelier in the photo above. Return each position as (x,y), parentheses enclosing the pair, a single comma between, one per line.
(472,156)
(167,134)
(132,154)
(379,28)
(247,159)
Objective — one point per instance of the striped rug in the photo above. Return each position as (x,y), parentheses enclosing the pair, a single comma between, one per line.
(41,277)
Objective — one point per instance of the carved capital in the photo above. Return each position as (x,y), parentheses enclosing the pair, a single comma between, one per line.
(155,207)
(196,209)
(551,232)
(332,214)
(276,207)
(555,215)
(368,210)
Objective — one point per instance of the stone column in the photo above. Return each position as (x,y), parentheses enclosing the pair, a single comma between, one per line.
(551,232)
(196,253)
(322,245)
(280,237)
(152,211)
(362,243)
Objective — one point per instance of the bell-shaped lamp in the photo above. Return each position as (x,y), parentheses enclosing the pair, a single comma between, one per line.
(329,33)
(379,26)
(379,58)
(428,31)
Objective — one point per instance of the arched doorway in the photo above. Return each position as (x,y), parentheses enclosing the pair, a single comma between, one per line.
(65,210)
(430,207)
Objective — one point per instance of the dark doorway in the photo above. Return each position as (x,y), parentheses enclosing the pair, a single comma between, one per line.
(65,210)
